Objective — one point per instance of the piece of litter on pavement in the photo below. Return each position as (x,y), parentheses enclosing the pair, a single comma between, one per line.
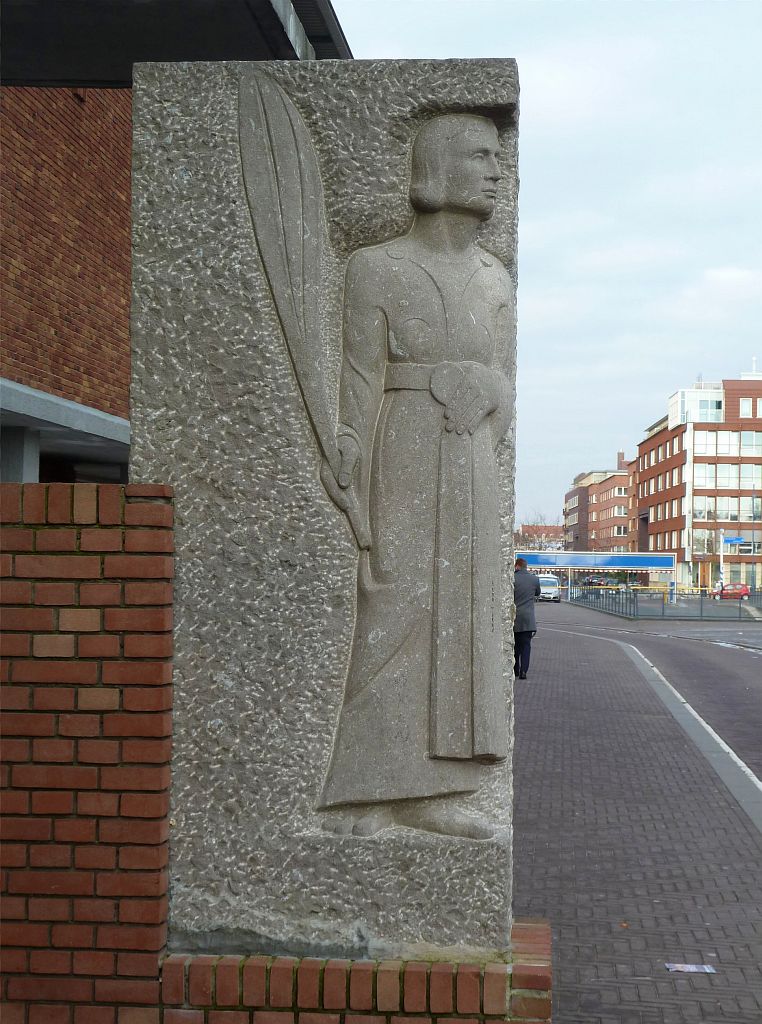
(691,968)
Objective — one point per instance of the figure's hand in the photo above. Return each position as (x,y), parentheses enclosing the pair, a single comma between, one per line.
(469,391)
(344,498)
(349,450)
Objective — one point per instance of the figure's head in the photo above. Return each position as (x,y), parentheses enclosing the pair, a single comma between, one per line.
(521,563)
(455,165)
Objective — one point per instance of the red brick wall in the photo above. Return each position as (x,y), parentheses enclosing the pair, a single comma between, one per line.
(86,720)
(265,990)
(65,206)
(735,390)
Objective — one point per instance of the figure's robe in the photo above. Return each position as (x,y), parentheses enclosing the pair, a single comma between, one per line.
(424,706)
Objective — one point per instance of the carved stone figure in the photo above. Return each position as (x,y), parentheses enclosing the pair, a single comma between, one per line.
(423,402)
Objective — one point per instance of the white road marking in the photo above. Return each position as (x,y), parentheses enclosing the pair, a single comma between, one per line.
(754,651)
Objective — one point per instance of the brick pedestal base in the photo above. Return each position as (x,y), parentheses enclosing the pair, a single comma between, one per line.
(280,990)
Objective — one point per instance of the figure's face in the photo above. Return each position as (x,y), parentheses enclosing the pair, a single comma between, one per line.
(472,170)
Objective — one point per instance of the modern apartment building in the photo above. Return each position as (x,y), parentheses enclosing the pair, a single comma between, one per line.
(608,511)
(582,511)
(699,482)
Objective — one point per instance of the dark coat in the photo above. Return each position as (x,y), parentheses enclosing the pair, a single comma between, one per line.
(526,587)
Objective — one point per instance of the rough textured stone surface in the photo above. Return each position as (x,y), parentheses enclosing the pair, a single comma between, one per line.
(266,566)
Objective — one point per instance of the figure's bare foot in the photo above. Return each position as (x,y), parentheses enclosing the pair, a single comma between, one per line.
(445,820)
(442,818)
(382,816)
(340,826)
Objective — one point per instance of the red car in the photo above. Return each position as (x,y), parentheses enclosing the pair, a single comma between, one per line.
(733,592)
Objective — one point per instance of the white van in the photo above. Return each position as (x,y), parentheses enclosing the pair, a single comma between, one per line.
(550,589)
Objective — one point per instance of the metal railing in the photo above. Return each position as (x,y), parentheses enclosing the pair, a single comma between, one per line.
(642,603)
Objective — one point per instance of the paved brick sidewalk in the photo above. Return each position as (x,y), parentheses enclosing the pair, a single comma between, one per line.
(632,847)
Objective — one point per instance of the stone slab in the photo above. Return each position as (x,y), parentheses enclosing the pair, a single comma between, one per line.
(266,565)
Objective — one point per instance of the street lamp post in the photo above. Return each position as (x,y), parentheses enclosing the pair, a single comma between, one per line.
(753,541)
(722,558)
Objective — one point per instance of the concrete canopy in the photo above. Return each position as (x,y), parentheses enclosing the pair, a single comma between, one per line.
(96,42)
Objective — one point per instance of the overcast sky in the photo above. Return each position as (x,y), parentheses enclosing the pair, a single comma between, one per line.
(640,237)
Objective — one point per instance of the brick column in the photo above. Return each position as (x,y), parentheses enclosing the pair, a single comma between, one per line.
(86,699)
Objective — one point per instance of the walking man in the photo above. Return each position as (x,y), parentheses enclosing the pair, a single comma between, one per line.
(526,587)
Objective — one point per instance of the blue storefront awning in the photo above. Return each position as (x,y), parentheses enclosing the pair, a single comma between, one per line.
(601,561)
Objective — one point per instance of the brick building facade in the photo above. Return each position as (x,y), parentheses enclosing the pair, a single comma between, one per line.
(700,482)
(608,512)
(591,494)
(66,243)
(65,206)
(695,487)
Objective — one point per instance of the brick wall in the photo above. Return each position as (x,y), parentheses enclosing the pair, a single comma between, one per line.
(65,215)
(86,721)
(278,990)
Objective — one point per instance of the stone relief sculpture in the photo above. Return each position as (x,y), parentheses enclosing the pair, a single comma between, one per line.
(409,458)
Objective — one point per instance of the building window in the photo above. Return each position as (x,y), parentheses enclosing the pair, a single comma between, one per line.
(705,442)
(620,492)
(744,409)
(759,408)
(751,477)
(705,507)
(651,542)
(704,475)
(710,410)
(751,510)
(675,444)
(659,512)
(620,531)
(651,457)
(751,442)
(727,442)
(620,510)
(727,510)
(727,475)
(704,542)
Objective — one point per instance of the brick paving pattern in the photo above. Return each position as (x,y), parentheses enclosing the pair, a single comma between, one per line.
(631,846)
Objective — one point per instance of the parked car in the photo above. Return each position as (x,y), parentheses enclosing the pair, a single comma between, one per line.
(550,588)
(733,592)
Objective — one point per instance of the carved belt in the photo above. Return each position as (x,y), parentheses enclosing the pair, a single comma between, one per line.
(408,376)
